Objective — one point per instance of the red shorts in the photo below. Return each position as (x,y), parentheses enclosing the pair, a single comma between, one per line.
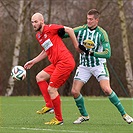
(59,73)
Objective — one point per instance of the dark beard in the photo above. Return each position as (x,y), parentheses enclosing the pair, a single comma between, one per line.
(39,28)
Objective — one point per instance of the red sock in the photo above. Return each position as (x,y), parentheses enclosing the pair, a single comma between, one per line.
(57,108)
(43,85)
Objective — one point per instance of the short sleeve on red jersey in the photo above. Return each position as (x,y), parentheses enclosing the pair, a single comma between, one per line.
(54,28)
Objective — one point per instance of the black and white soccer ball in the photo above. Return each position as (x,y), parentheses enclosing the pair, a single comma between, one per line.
(18,73)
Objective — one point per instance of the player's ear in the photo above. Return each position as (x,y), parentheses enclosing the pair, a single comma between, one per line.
(97,20)
(42,21)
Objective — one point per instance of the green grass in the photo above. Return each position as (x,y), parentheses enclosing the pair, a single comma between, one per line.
(18,115)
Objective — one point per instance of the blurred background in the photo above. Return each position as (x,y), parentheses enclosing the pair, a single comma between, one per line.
(18,43)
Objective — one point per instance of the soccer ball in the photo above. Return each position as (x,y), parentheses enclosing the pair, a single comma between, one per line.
(18,73)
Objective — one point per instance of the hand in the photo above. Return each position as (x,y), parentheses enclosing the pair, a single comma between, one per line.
(88,52)
(29,64)
(78,49)
(81,47)
(91,53)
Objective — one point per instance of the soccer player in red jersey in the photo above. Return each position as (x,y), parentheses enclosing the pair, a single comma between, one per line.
(62,63)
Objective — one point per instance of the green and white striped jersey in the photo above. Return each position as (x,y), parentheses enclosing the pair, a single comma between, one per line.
(102,49)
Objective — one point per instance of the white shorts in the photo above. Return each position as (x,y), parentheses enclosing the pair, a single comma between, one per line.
(84,73)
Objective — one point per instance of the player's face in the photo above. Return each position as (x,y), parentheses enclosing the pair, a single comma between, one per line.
(92,21)
(37,25)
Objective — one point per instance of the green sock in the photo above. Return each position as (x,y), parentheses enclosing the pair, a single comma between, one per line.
(80,104)
(115,100)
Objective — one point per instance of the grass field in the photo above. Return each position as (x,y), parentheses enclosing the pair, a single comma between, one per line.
(18,115)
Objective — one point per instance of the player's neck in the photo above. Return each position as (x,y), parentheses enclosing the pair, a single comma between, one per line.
(92,28)
(41,30)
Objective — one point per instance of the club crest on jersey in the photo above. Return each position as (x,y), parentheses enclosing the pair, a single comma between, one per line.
(45,35)
(39,36)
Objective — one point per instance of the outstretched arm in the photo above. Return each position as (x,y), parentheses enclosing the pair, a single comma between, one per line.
(38,58)
(70,32)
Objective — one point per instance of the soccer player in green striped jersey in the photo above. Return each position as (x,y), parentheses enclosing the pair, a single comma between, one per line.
(93,62)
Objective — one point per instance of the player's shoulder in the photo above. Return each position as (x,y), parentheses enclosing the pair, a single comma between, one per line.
(103,33)
(101,30)
(83,27)
(54,25)
(49,25)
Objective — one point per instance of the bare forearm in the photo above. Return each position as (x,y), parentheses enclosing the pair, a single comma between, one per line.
(72,36)
(40,57)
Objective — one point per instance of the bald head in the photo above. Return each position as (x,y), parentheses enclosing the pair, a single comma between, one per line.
(37,21)
(38,16)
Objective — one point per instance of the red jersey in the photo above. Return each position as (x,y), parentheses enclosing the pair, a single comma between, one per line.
(53,44)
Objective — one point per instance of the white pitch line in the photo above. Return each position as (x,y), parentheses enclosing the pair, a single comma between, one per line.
(89,99)
(42,129)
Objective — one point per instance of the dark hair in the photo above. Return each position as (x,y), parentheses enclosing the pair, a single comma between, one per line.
(94,12)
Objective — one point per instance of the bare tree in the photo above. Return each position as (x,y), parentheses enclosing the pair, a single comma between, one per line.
(70,13)
(20,27)
(126,51)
